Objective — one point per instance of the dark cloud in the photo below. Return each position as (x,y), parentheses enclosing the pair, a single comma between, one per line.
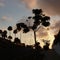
(51,7)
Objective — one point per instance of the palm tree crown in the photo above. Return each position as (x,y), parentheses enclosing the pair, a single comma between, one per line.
(9,28)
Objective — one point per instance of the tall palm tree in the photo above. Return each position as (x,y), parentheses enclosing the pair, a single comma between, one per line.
(10,29)
(39,20)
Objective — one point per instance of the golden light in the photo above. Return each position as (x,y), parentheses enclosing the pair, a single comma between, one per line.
(50,37)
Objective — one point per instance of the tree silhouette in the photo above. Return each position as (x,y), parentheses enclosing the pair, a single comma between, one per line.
(17,41)
(15,32)
(39,19)
(46,47)
(10,29)
(57,39)
(18,26)
(4,34)
(0,33)
(9,37)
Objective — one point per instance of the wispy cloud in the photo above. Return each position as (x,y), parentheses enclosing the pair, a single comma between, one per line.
(30,3)
(6,18)
(51,7)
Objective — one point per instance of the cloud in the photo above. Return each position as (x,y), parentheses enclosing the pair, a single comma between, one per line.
(51,7)
(6,18)
(42,32)
(46,35)
(2,3)
(30,3)
(56,27)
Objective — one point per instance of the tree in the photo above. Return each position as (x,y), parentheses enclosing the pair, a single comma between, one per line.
(20,26)
(10,29)
(57,39)
(0,32)
(4,34)
(17,41)
(46,47)
(9,37)
(15,32)
(39,19)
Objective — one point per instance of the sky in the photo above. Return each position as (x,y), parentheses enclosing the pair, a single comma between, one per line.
(12,11)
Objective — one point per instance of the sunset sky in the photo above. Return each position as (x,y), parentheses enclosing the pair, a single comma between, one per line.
(11,11)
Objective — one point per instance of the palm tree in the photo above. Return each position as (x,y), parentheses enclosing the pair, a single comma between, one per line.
(46,47)
(18,26)
(10,29)
(15,32)
(17,41)
(4,34)
(9,37)
(39,20)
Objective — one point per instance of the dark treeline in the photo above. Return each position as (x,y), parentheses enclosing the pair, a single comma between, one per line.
(19,51)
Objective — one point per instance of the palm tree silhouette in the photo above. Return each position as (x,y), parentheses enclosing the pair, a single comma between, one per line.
(17,41)
(10,29)
(9,37)
(22,26)
(4,34)
(18,26)
(15,32)
(39,20)
(46,47)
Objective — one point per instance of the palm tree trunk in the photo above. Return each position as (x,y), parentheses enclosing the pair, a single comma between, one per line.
(35,37)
